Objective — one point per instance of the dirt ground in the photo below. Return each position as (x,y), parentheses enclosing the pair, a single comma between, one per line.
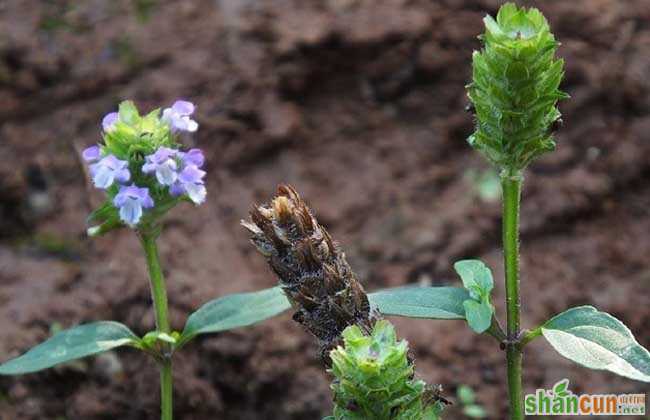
(360,105)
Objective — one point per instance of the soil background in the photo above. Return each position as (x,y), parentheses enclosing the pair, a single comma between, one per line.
(360,105)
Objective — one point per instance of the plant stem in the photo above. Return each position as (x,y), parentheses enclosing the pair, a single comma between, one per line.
(159,296)
(511,183)
(166,390)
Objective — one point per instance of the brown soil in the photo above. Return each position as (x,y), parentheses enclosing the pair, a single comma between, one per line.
(359,104)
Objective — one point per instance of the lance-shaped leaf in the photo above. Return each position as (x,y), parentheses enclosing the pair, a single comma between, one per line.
(74,343)
(234,311)
(421,302)
(599,341)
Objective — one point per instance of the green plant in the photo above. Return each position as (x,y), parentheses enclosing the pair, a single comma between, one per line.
(144,173)
(514,91)
(470,407)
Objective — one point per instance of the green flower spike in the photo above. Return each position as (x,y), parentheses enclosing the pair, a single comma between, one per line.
(374,379)
(514,88)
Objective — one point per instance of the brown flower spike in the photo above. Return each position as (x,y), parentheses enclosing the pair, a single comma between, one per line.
(311,267)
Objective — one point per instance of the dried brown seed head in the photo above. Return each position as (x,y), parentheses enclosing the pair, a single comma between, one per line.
(311,267)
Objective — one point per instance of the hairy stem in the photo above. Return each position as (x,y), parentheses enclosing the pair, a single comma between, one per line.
(511,183)
(159,296)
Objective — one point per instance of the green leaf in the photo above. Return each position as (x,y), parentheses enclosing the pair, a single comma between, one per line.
(74,343)
(421,302)
(234,311)
(478,314)
(466,395)
(476,276)
(598,341)
(474,411)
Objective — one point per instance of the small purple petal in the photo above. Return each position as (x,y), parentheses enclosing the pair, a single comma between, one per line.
(191,175)
(196,192)
(91,154)
(194,157)
(183,107)
(162,154)
(109,121)
(176,189)
(123,175)
(148,168)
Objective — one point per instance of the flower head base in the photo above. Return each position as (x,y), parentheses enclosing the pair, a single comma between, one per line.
(514,88)
(144,150)
(374,378)
(311,268)
(178,117)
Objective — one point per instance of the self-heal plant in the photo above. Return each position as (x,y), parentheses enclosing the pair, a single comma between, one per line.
(141,167)
(514,91)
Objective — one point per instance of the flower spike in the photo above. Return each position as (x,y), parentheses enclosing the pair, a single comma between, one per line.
(144,150)
(311,267)
(515,88)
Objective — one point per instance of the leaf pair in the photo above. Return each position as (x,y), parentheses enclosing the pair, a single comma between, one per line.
(584,335)
(225,313)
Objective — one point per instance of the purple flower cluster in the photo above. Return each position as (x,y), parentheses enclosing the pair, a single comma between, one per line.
(177,170)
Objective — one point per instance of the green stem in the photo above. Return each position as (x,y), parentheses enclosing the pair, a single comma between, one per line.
(511,183)
(159,296)
(166,390)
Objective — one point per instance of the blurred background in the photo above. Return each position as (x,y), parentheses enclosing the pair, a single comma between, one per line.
(360,105)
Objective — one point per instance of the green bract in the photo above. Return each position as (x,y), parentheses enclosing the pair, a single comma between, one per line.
(134,136)
(374,378)
(514,88)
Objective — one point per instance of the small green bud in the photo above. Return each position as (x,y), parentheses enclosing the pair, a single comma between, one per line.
(375,378)
(515,88)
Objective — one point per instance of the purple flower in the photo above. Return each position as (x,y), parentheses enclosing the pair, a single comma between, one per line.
(190,182)
(108,170)
(108,123)
(91,154)
(163,164)
(131,200)
(178,116)
(193,157)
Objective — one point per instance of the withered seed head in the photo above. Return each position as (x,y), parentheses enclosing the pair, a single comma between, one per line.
(311,267)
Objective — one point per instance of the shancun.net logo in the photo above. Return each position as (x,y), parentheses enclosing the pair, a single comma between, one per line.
(561,401)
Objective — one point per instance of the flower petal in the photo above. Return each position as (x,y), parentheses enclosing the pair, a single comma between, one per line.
(183,107)
(194,157)
(196,192)
(91,154)
(108,122)
(131,212)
